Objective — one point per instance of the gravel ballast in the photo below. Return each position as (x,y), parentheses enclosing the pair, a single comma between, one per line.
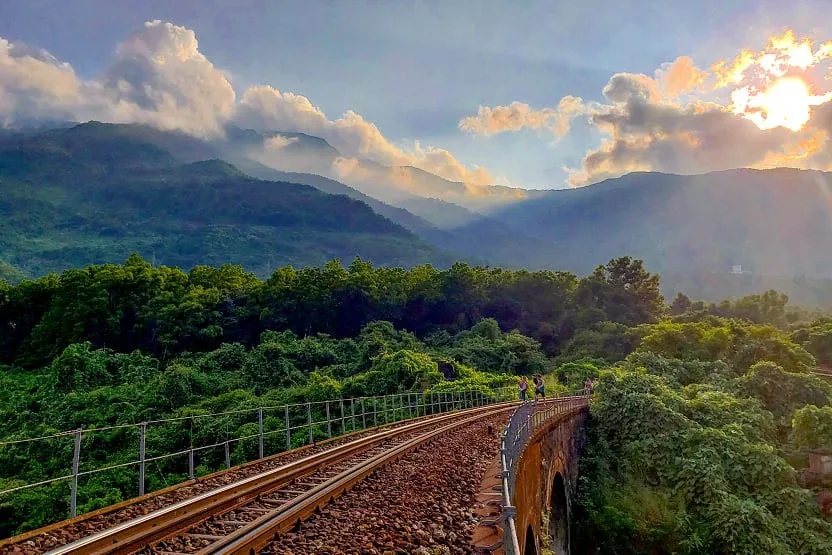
(421,505)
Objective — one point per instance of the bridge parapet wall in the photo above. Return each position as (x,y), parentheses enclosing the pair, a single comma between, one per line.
(540,449)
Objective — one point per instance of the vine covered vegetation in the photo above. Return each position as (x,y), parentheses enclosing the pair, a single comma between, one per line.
(700,431)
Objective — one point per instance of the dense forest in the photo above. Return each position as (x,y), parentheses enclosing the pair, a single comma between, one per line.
(699,433)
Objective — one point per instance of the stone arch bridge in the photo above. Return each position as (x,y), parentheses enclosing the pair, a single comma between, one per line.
(537,479)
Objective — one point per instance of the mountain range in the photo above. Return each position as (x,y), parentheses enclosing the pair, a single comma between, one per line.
(90,193)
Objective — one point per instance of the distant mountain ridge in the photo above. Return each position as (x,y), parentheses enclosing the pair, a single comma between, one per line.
(775,222)
(415,213)
(399,215)
(394,185)
(88,193)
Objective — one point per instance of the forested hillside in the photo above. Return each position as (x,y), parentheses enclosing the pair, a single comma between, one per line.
(95,193)
(164,311)
(699,434)
(695,440)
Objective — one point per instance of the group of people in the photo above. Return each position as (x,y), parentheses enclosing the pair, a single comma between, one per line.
(589,385)
(539,388)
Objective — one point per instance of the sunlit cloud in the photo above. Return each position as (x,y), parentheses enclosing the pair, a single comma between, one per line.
(680,77)
(670,81)
(728,73)
(677,119)
(757,108)
(519,115)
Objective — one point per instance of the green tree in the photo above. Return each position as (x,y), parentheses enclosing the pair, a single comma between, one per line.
(79,368)
(606,340)
(321,387)
(266,367)
(408,370)
(688,472)
(623,291)
(817,339)
(381,338)
(681,304)
(783,392)
(812,427)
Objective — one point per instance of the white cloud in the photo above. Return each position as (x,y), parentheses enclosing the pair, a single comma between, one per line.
(680,76)
(268,109)
(158,76)
(442,162)
(34,85)
(669,121)
(671,80)
(279,142)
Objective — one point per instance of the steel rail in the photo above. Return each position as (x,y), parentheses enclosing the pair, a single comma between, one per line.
(127,504)
(8,543)
(167,522)
(259,533)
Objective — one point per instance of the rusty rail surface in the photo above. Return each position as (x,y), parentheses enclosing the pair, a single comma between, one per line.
(281,497)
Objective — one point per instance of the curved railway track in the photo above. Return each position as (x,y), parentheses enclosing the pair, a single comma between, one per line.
(245,515)
(41,540)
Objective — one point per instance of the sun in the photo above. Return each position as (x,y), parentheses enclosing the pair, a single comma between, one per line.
(772,91)
(785,104)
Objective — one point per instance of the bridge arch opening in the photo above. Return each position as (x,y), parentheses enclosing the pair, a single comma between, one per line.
(531,542)
(558,529)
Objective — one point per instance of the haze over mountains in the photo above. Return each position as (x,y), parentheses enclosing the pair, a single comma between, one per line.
(94,192)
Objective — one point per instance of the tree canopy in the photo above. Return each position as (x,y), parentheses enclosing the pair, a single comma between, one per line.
(693,440)
(704,416)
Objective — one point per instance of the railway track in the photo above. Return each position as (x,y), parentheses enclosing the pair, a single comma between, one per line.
(39,541)
(243,516)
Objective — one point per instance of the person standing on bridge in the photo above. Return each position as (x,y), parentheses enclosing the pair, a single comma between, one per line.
(524,387)
(539,387)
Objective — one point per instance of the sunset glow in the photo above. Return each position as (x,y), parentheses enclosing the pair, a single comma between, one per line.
(786,103)
(773,92)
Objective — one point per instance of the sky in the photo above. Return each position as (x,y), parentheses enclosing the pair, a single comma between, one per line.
(536,94)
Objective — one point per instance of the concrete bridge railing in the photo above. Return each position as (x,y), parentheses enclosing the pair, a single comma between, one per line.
(527,426)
